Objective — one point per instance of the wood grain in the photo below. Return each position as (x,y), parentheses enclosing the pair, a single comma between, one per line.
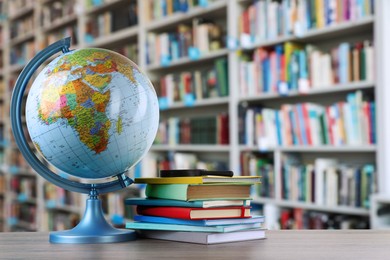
(324,244)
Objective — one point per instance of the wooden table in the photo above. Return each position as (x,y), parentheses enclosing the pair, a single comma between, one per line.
(324,244)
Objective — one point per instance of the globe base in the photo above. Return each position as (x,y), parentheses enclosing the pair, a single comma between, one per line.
(92,229)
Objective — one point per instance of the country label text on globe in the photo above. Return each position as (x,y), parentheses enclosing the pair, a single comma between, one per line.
(91,113)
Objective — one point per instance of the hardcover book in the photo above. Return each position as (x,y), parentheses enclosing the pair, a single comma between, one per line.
(190,204)
(195,213)
(188,192)
(200,222)
(174,227)
(203,237)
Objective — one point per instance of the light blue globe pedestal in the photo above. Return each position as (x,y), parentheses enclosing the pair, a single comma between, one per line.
(93,228)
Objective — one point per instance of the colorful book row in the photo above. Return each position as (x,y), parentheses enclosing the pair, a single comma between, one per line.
(199,130)
(328,183)
(55,11)
(21,54)
(255,165)
(294,67)
(301,219)
(350,122)
(186,41)
(189,87)
(111,21)
(267,20)
(159,9)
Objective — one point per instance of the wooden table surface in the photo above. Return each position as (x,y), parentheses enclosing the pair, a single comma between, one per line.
(310,244)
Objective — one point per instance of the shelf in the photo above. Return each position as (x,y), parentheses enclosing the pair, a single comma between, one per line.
(179,17)
(187,61)
(23,38)
(337,88)
(60,23)
(65,208)
(191,148)
(115,37)
(198,103)
(104,7)
(32,201)
(311,206)
(335,30)
(25,225)
(315,149)
(24,11)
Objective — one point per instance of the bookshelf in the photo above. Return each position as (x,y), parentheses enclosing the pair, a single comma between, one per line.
(135,39)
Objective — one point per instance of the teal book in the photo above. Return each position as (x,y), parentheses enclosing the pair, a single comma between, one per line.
(189,204)
(174,227)
(187,192)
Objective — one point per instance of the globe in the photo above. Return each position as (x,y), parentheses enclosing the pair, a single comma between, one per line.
(92,114)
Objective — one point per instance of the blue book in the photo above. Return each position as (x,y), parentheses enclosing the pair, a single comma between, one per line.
(373,122)
(278,127)
(175,227)
(187,204)
(201,222)
(344,62)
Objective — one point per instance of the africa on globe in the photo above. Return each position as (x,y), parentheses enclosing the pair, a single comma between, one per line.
(91,113)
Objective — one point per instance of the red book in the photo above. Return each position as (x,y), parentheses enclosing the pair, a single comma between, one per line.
(330,120)
(195,213)
(307,124)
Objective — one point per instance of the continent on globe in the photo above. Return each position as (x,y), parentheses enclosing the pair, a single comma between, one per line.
(82,97)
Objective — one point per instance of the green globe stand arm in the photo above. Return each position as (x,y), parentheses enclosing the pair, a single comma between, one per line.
(93,227)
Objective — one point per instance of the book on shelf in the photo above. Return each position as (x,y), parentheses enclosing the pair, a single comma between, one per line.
(190,204)
(268,20)
(190,192)
(200,222)
(175,227)
(204,237)
(200,180)
(293,67)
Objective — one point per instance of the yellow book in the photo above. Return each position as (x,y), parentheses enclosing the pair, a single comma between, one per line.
(289,48)
(320,13)
(200,180)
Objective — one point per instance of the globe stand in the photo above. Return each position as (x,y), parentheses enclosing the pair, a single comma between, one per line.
(93,227)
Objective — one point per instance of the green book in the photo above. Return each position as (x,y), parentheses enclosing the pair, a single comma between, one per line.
(222,76)
(190,192)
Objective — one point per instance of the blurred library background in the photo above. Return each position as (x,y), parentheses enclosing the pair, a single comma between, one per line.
(292,90)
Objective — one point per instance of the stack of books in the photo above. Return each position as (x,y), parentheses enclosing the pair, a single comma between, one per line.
(200,209)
